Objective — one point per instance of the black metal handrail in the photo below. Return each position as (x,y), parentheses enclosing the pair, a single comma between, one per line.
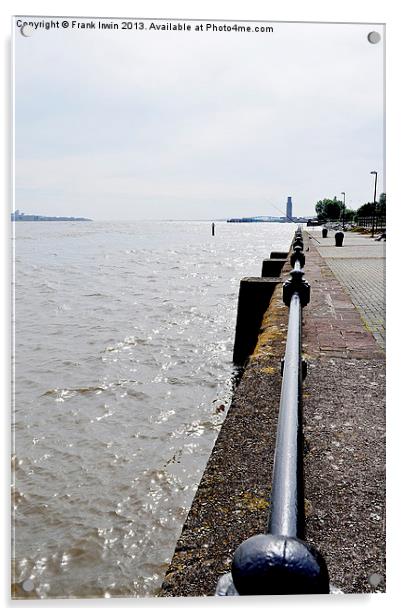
(287,496)
(281,562)
(286,517)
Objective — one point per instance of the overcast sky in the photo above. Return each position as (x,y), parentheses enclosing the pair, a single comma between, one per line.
(132,125)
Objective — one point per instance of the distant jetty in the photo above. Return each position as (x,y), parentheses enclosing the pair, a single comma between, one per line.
(296,219)
(18,216)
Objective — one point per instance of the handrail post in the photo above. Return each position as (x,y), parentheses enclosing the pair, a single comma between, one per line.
(281,561)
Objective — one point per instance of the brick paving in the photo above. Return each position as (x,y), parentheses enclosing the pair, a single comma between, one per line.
(360,266)
(344,409)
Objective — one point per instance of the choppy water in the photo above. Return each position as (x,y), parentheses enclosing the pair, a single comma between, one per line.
(123,344)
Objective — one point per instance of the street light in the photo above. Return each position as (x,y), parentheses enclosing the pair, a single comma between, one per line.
(344,207)
(375,196)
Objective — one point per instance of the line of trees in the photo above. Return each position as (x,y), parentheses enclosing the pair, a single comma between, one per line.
(332,209)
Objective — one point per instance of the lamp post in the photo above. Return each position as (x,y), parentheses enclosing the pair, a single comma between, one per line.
(374,206)
(343,213)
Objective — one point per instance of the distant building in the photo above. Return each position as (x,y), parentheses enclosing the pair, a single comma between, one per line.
(289,208)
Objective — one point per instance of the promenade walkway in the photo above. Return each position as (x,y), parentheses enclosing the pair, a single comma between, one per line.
(344,408)
(360,266)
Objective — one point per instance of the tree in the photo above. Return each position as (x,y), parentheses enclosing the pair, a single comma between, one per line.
(365,210)
(329,209)
(381,207)
(349,215)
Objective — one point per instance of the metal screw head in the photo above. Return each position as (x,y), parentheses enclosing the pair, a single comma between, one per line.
(374,37)
(375,579)
(28,585)
(26,30)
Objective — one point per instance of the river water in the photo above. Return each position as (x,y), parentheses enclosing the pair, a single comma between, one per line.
(123,343)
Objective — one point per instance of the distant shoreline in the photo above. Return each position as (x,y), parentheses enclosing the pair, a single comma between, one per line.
(20,217)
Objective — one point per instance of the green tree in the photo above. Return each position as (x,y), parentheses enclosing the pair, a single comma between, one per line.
(381,207)
(349,215)
(329,209)
(365,210)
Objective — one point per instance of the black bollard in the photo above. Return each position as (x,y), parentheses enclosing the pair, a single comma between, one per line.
(324,232)
(213,229)
(339,238)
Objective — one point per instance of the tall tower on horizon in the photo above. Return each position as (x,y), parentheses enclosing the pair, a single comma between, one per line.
(289,208)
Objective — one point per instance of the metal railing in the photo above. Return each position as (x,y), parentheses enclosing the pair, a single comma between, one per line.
(281,561)
(367,222)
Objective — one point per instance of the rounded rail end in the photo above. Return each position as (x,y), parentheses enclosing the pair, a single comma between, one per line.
(279,565)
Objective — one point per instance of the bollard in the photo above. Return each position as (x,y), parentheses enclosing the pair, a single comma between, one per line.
(324,232)
(339,238)
(213,229)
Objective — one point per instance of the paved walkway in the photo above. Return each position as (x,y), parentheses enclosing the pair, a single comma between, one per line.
(344,409)
(360,266)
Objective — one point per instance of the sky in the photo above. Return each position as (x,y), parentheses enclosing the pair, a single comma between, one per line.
(129,124)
